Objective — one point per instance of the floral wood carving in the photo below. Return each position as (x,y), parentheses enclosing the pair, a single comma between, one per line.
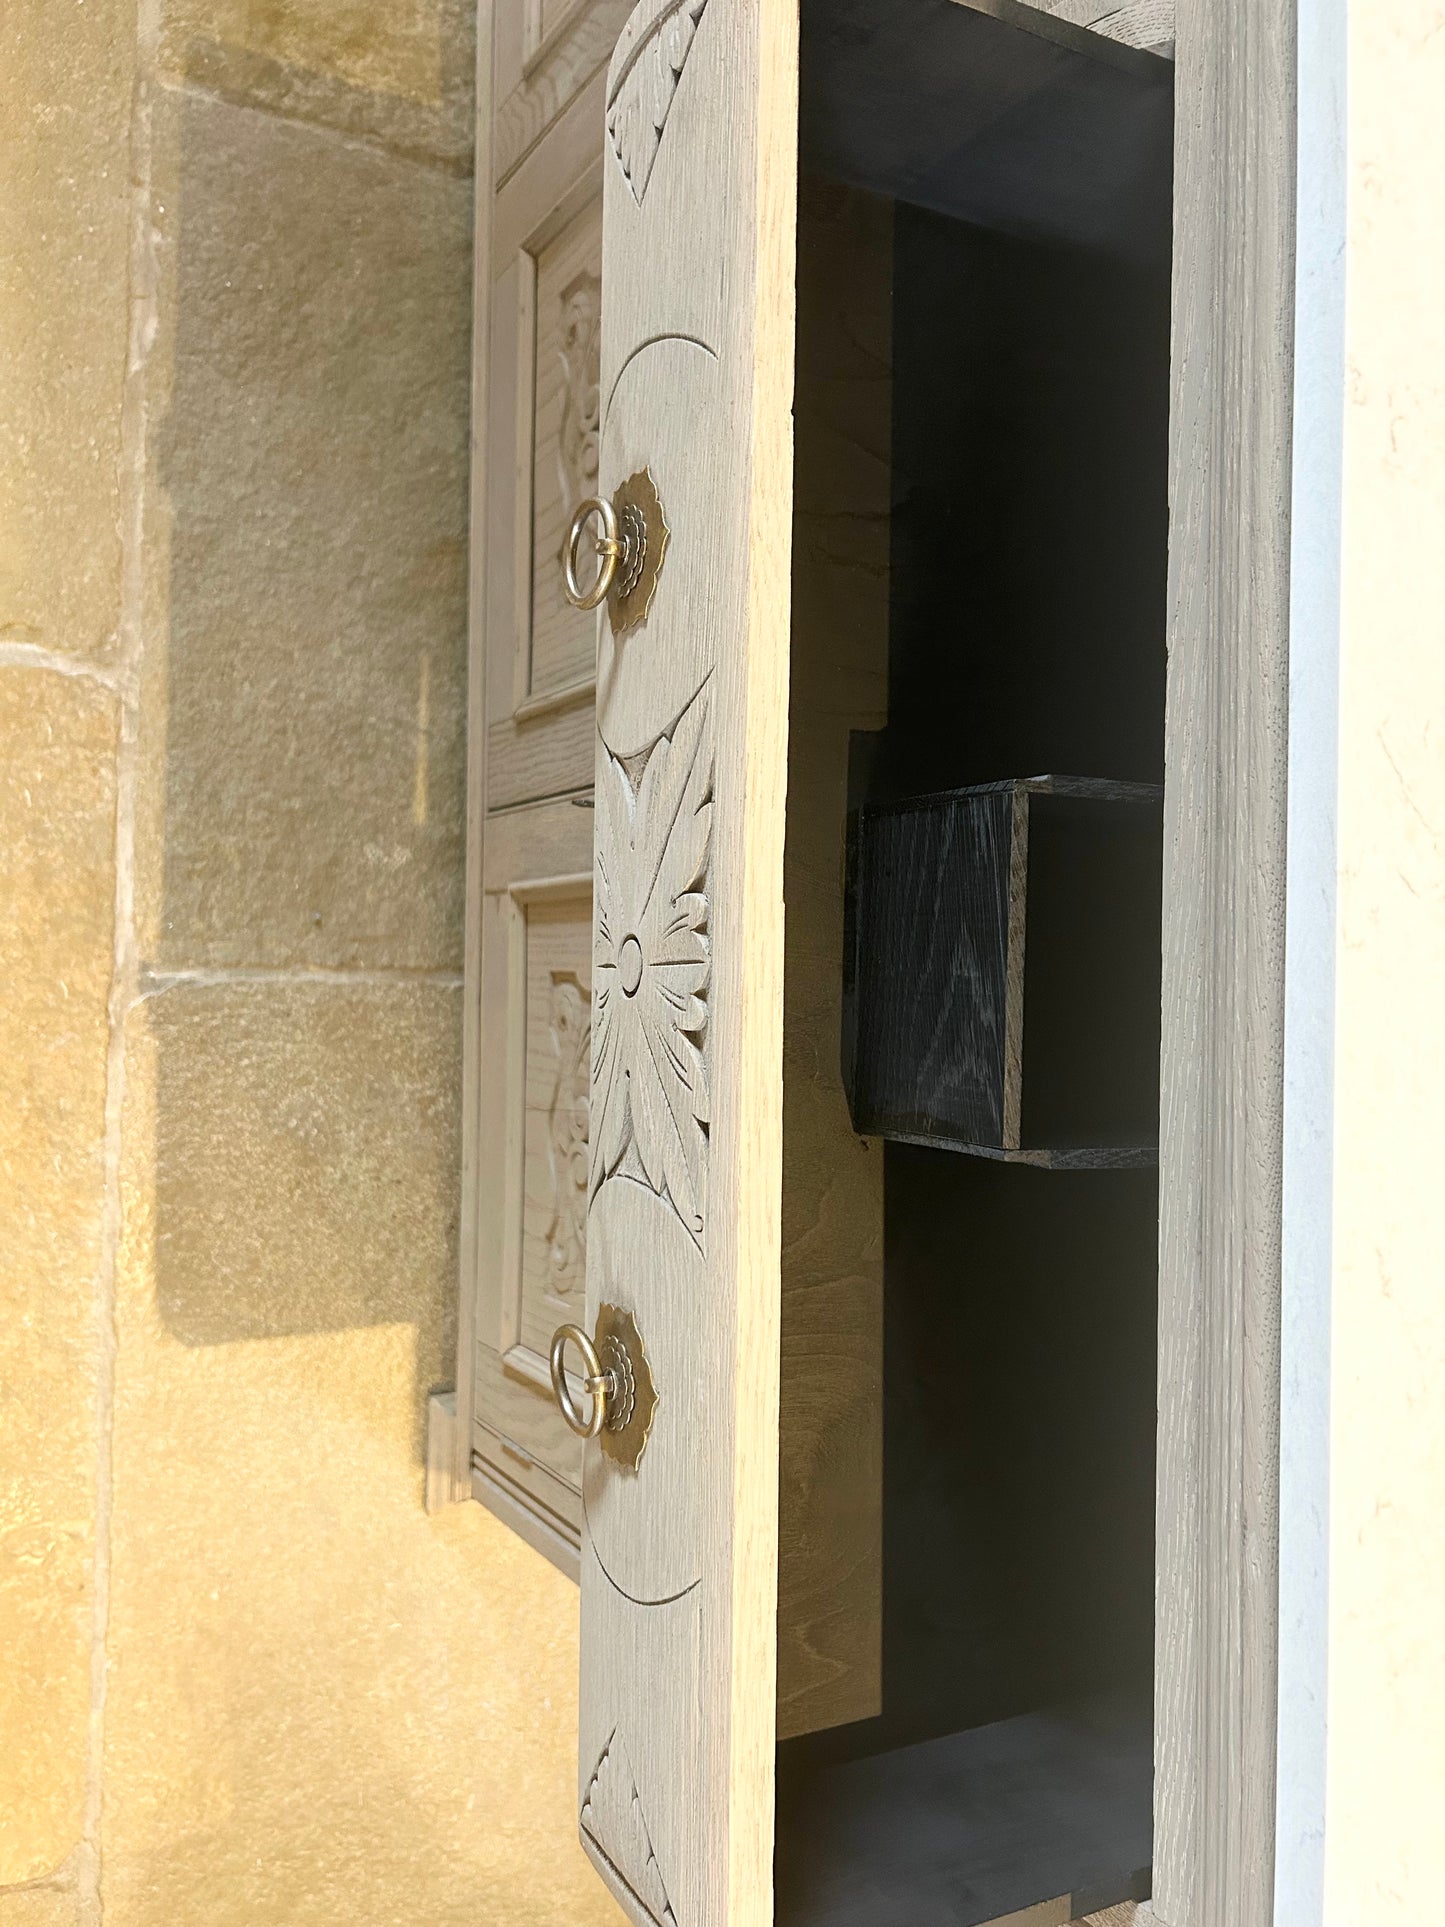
(567,1140)
(613,1820)
(643,94)
(652,965)
(580,352)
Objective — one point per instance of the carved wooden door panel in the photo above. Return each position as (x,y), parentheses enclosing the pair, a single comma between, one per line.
(679,1555)
(540,326)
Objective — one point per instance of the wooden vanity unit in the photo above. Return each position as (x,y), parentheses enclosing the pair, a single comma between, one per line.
(826,1064)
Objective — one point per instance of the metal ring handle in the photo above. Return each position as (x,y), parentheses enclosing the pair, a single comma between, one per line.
(598,1382)
(609,552)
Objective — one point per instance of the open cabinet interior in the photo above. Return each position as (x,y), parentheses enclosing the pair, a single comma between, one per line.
(973,884)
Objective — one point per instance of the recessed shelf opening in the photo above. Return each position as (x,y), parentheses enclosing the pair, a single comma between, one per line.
(1022,170)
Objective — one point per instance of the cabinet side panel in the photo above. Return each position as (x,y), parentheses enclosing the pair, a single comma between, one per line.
(831,1428)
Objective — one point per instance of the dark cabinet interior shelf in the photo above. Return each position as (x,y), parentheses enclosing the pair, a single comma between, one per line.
(974,1826)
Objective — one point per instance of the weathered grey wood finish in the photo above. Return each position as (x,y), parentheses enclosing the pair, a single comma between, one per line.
(530,734)
(1220,1149)
(529,962)
(677,1712)
(541,66)
(469,1229)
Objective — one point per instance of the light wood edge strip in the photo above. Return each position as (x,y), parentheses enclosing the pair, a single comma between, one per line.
(1221,1129)
(755,1233)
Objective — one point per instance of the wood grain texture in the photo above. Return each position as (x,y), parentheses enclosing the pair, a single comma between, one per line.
(697,384)
(540,756)
(830,1492)
(932,922)
(535,841)
(535,1450)
(1004,982)
(545,21)
(469,1230)
(535,978)
(530,736)
(1220,1151)
(536,88)
(541,452)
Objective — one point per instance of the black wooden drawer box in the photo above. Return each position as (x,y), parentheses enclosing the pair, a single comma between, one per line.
(1002,979)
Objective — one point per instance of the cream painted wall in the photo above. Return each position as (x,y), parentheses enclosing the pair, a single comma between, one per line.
(1385,1792)
(1362,1665)
(244,1678)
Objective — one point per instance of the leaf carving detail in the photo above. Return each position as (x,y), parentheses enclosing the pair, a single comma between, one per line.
(612,1817)
(642,95)
(580,353)
(567,1140)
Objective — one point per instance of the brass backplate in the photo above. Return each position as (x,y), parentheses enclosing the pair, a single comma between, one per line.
(643,529)
(619,1346)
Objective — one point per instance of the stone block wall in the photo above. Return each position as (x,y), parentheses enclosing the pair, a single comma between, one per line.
(244,1678)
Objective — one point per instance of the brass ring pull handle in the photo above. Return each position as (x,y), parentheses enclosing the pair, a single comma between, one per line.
(630,552)
(619,1380)
(610,549)
(601,1384)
